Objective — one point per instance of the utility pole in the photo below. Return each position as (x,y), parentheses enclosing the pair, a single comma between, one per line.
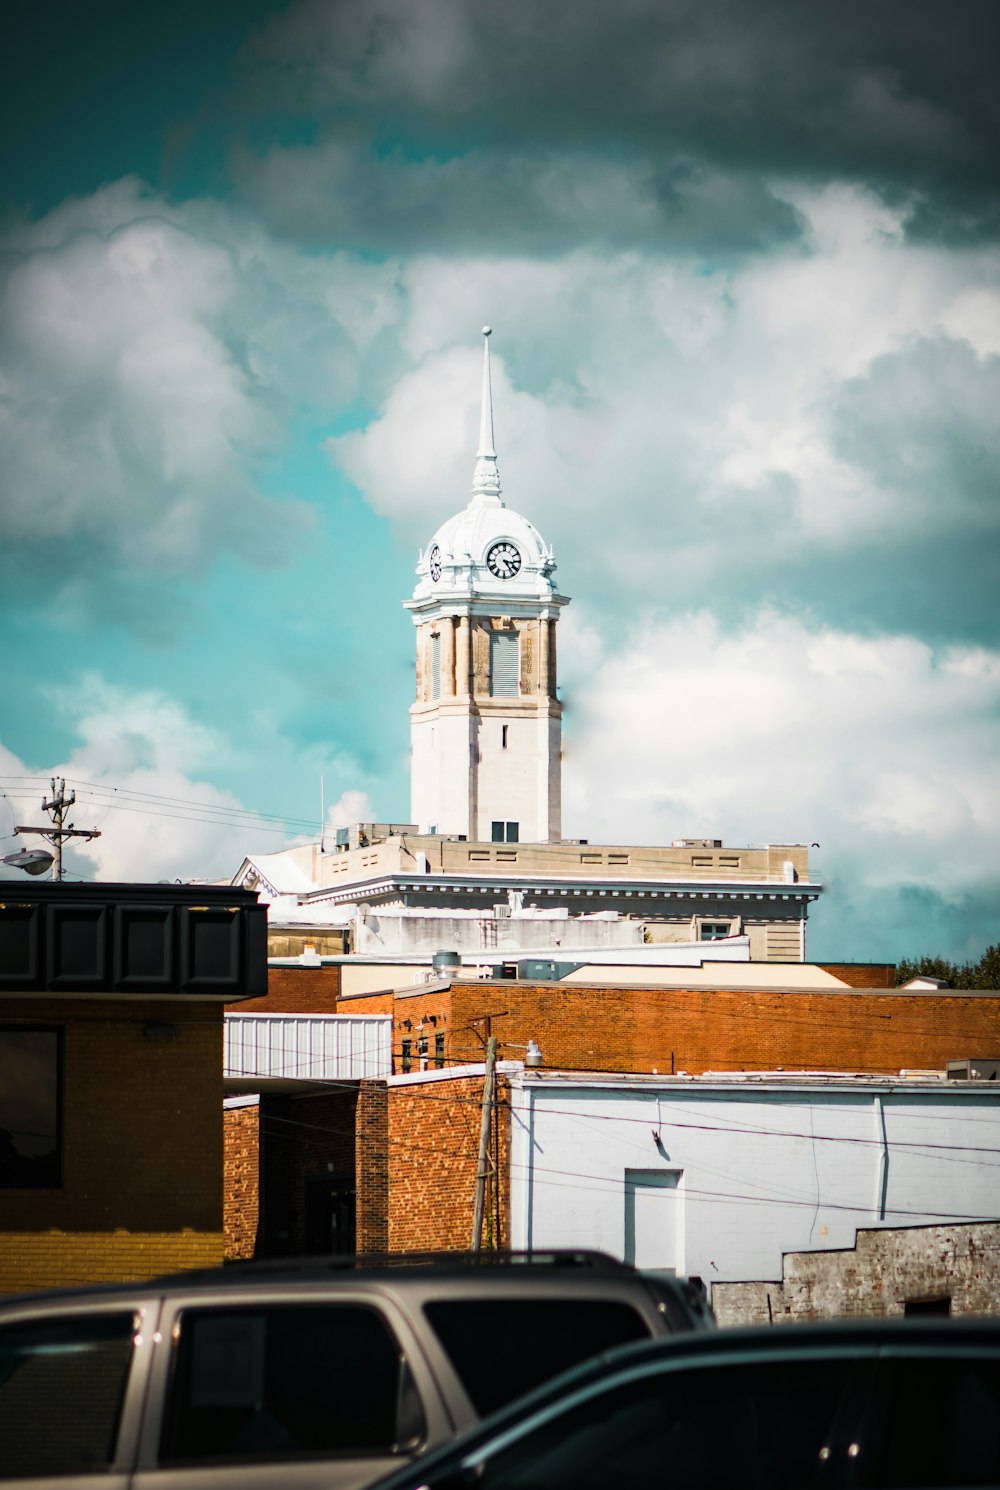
(484,1144)
(57,809)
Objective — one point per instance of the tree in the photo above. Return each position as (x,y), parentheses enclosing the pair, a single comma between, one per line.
(982,974)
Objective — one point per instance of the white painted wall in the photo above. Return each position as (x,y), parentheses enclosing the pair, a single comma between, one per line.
(756,1170)
(440,779)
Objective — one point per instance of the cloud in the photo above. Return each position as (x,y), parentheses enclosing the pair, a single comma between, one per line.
(901,99)
(150,359)
(881,749)
(352,806)
(814,427)
(344,190)
(141,767)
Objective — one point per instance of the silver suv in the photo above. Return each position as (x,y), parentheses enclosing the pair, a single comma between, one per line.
(336,1373)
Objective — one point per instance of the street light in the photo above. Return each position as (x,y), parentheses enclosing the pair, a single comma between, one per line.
(31,860)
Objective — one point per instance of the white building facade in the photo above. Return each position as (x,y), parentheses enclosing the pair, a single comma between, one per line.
(719,1176)
(486,724)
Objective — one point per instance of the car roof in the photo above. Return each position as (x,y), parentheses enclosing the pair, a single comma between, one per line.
(733,1344)
(555,1266)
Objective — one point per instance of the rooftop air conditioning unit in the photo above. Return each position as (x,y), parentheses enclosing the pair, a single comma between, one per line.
(501,912)
(972,1069)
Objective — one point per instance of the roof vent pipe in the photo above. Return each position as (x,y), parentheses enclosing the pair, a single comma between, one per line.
(446,964)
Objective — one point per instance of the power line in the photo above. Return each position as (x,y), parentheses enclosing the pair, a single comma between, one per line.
(613,1182)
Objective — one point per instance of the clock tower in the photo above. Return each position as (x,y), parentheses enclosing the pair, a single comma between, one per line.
(486,725)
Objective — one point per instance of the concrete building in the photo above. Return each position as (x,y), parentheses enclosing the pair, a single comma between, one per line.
(391,891)
(483,865)
(720,1175)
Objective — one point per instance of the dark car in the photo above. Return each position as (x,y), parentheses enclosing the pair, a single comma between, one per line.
(875,1405)
(306,1373)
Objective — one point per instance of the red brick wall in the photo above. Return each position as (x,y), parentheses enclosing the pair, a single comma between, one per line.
(695,1030)
(241,1182)
(433,1151)
(862,974)
(296,990)
(372,1167)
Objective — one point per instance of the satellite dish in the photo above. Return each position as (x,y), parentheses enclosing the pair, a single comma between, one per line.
(31,860)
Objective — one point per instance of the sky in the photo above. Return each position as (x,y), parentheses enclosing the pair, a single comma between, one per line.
(743,268)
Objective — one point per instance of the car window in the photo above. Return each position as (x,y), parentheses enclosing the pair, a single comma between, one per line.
(285,1382)
(933,1422)
(502,1348)
(775,1426)
(62,1384)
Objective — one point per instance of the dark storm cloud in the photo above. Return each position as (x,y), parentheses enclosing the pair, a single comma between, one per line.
(521,202)
(898,95)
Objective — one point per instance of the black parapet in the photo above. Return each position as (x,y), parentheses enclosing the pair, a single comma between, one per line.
(172,940)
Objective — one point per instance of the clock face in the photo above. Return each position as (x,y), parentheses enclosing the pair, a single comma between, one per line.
(435,563)
(503,560)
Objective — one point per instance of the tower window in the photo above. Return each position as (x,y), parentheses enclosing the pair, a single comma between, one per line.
(505,832)
(504,664)
(503,736)
(436,664)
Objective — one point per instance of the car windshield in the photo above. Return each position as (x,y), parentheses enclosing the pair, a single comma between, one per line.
(771,1426)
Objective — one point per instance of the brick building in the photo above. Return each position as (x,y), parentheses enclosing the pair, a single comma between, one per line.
(111,1035)
(952,1269)
(687,1029)
(414,1168)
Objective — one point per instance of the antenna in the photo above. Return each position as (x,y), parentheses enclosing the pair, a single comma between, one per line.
(57,809)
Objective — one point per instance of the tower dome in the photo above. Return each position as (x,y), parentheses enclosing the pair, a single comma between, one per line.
(487,550)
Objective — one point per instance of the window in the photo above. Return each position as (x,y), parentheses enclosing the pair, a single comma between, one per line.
(504,664)
(286,1382)
(30,1126)
(435,664)
(62,1384)
(934,1422)
(503,832)
(503,736)
(940,1305)
(760,1424)
(714,931)
(406,1055)
(439,1051)
(563,1332)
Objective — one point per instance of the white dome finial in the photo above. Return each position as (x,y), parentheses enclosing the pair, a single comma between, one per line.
(486,479)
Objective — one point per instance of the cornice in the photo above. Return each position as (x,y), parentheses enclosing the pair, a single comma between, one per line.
(398,883)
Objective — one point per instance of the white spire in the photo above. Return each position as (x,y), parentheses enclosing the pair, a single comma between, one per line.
(486,480)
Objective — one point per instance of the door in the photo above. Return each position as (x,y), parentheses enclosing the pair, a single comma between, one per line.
(653,1220)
